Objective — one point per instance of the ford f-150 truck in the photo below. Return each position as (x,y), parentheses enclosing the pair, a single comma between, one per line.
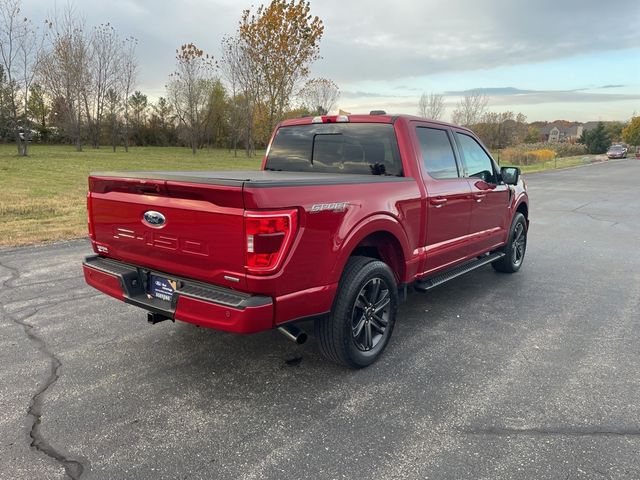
(346,213)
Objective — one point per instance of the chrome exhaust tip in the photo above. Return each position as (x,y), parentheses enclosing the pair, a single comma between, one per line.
(294,334)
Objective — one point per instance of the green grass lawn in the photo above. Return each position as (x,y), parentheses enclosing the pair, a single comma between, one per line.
(560,163)
(42,196)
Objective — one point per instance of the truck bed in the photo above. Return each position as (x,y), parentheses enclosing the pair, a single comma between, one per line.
(203,235)
(256,178)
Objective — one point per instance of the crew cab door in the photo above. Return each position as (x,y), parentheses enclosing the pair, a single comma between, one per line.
(449,201)
(490,196)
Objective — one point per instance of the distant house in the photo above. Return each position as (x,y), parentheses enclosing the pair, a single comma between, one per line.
(564,132)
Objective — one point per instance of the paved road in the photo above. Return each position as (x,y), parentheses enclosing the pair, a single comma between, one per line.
(533,375)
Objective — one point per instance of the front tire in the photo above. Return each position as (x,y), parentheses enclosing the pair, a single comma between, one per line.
(516,246)
(360,324)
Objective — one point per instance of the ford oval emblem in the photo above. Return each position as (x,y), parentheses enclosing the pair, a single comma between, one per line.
(153,218)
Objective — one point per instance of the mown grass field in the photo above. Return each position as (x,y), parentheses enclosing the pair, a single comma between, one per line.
(42,197)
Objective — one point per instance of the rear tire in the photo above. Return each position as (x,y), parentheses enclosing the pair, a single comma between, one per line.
(361,322)
(515,248)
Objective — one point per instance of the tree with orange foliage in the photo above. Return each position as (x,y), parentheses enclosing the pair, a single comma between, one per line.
(282,40)
(631,133)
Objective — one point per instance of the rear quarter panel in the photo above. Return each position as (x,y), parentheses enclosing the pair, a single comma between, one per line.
(326,238)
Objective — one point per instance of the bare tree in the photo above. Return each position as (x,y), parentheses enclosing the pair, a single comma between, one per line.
(189,90)
(20,53)
(104,57)
(319,95)
(113,106)
(500,130)
(238,67)
(64,71)
(470,108)
(5,105)
(87,74)
(431,106)
(128,67)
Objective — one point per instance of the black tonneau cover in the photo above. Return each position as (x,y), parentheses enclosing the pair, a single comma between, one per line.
(254,178)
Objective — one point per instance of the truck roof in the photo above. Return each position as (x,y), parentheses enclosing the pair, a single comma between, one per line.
(364,118)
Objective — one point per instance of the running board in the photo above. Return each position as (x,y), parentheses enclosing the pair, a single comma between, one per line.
(429,283)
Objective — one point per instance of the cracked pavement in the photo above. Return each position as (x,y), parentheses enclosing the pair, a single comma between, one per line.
(532,375)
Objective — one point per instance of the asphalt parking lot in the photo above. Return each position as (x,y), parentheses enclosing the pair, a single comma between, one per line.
(492,376)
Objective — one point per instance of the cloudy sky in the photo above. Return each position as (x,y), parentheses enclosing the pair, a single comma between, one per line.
(562,59)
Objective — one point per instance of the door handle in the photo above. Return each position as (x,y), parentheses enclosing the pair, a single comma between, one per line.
(479,196)
(438,202)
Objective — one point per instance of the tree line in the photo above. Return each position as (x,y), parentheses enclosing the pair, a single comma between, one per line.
(496,130)
(64,81)
(500,130)
(68,82)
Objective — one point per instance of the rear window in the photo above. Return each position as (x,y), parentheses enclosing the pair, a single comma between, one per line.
(437,153)
(364,148)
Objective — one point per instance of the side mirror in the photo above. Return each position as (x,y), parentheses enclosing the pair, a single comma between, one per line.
(510,175)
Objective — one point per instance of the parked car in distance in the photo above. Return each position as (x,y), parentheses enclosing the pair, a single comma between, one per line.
(617,151)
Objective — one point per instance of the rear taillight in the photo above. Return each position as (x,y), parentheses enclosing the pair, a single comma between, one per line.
(89,223)
(268,236)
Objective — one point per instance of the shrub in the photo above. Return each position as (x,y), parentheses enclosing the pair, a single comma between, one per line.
(542,155)
(526,154)
(519,156)
(569,149)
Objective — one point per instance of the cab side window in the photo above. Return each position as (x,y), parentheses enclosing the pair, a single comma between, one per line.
(437,153)
(476,161)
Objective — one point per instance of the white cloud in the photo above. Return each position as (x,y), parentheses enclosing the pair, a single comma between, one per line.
(373,50)
(385,40)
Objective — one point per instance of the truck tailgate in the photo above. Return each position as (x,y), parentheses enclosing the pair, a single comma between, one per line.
(193,230)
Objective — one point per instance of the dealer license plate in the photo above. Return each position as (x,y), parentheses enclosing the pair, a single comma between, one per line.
(161,287)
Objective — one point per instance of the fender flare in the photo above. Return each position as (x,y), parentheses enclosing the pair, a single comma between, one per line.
(519,200)
(373,224)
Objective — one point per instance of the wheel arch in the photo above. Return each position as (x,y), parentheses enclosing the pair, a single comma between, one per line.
(380,237)
(523,208)
(385,247)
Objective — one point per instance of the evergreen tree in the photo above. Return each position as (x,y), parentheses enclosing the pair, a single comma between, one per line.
(596,140)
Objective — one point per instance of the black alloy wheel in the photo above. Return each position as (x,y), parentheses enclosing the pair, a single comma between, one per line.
(515,248)
(519,244)
(370,315)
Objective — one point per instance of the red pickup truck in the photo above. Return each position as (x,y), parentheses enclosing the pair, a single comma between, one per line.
(346,214)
